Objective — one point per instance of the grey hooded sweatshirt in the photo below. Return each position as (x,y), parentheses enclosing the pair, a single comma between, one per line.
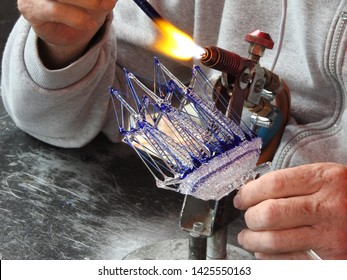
(68,107)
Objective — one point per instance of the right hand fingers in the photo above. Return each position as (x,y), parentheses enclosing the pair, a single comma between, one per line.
(106,5)
(76,14)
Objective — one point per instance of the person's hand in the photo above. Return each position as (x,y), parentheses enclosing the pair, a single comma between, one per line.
(294,210)
(65,27)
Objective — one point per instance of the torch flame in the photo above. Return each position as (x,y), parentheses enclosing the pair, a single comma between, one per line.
(175,43)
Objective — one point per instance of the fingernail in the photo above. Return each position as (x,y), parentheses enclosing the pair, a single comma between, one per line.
(258,256)
(107,5)
(237,201)
(239,237)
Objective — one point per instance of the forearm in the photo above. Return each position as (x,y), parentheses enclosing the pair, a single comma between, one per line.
(65,28)
(57,56)
(64,107)
(54,57)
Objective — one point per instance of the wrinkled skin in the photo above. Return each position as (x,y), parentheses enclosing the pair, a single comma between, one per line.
(294,210)
(65,27)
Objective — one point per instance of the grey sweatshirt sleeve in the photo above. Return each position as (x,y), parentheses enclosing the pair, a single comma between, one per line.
(65,107)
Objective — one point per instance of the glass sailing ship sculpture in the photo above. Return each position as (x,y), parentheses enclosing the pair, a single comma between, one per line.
(188,145)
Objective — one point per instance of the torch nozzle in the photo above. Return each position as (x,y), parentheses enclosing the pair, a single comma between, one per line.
(222,60)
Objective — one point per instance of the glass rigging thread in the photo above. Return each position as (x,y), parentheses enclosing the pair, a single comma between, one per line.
(188,145)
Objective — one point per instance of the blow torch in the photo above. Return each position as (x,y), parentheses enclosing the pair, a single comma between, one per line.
(244,83)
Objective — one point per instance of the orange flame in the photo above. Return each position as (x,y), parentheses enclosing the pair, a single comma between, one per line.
(175,43)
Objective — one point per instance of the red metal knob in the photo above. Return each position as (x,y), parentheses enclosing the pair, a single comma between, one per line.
(260,38)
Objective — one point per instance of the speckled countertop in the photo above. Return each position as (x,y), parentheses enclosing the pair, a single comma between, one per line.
(97,202)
